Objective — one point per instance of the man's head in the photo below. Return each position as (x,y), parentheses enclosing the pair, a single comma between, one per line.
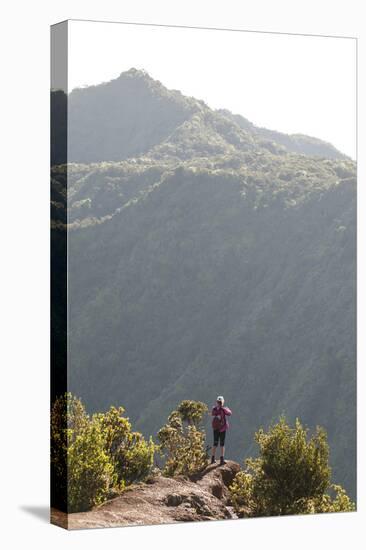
(220,400)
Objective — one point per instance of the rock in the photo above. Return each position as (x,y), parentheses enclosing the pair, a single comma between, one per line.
(216,479)
(174,500)
(202,497)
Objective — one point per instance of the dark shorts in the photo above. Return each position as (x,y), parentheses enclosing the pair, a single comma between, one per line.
(219,435)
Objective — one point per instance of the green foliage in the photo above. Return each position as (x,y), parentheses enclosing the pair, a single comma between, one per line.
(192,412)
(131,128)
(90,456)
(90,470)
(251,262)
(68,420)
(182,440)
(290,476)
(220,253)
(131,455)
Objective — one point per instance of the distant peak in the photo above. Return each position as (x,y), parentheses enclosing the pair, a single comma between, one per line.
(136,73)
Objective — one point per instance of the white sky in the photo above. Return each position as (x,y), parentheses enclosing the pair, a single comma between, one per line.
(289,83)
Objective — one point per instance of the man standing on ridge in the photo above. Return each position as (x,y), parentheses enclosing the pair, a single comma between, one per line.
(219,425)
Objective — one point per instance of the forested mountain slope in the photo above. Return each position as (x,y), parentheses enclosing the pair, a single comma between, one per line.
(132,113)
(205,257)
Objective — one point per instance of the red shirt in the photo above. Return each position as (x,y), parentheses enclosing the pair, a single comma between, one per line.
(218,411)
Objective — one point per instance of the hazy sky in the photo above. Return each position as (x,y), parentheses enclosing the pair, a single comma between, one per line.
(294,84)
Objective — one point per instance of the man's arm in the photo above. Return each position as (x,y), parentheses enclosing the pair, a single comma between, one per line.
(227,411)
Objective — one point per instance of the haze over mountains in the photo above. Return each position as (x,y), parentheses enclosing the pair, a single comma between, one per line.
(206,256)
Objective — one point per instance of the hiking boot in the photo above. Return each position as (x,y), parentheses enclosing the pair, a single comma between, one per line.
(222,461)
(213,460)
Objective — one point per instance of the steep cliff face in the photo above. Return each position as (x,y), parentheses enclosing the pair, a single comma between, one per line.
(162,500)
(206,258)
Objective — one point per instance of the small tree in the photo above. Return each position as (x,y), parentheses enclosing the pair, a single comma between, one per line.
(192,412)
(68,420)
(90,456)
(290,476)
(131,455)
(182,439)
(90,470)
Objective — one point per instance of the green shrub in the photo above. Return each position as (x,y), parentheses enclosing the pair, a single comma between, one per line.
(68,420)
(90,471)
(182,440)
(290,476)
(192,412)
(131,455)
(91,456)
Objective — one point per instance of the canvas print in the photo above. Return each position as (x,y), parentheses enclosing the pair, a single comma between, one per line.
(203,265)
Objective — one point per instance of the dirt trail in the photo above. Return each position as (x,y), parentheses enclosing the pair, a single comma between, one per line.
(162,500)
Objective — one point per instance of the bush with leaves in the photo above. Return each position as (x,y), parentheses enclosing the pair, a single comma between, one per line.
(68,420)
(91,473)
(92,455)
(192,412)
(290,476)
(182,439)
(131,455)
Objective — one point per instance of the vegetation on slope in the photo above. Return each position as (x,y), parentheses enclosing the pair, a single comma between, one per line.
(182,439)
(133,113)
(210,255)
(94,458)
(291,475)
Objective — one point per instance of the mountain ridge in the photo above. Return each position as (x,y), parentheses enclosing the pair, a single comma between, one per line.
(205,260)
(97,120)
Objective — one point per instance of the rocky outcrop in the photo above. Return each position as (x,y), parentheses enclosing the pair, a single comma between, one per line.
(202,497)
